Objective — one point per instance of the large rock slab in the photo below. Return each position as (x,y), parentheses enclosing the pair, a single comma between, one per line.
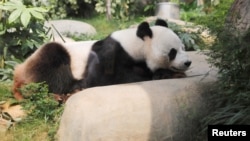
(145,111)
(69,28)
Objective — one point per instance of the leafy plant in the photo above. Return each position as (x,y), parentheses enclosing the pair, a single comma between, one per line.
(39,103)
(231,101)
(43,113)
(59,9)
(6,73)
(22,12)
(192,14)
(150,7)
(214,16)
(191,40)
(21,32)
(120,9)
(22,27)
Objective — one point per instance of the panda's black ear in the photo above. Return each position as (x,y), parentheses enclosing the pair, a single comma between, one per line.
(161,22)
(144,30)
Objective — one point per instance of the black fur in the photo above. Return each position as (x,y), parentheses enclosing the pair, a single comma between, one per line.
(108,63)
(161,22)
(172,54)
(52,65)
(116,66)
(144,30)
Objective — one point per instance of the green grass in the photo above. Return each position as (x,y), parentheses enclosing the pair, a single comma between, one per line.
(105,27)
(32,127)
(35,130)
(5,91)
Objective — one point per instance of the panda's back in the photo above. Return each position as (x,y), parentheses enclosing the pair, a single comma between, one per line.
(130,42)
(79,53)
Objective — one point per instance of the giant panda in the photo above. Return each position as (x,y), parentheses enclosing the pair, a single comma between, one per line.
(129,55)
(139,54)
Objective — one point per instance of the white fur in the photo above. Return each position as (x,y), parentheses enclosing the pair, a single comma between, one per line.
(178,63)
(131,43)
(79,53)
(164,40)
(155,51)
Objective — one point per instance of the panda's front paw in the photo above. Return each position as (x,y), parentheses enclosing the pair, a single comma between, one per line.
(167,74)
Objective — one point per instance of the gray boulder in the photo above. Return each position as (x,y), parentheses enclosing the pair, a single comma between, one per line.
(67,28)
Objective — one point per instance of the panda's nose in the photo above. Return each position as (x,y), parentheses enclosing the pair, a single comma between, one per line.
(188,63)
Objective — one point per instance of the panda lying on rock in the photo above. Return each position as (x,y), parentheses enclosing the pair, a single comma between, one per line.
(130,55)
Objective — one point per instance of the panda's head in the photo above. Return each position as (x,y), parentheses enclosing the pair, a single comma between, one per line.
(166,48)
(157,45)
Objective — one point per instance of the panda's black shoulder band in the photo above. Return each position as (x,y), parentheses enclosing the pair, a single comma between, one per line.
(161,22)
(144,30)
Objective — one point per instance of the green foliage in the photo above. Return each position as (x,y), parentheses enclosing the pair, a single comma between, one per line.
(21,12)
(212,14)
(6,73)
(21,32)
(215,15)
(120,9)
(59,9)
(191,14)
(230,54)
(5,93)
(105,27)
(191,40)
(43,113)
(150,8)
(231,103)
(41,105)
(30,130)
(39,102)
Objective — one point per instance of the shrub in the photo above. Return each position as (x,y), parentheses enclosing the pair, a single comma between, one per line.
(191,40)
(7,71)
(22,29)
(215,15)
(230,54)
(68,8)
(39,102)
(41,108)
(231,102)
(21,32)
(120,9)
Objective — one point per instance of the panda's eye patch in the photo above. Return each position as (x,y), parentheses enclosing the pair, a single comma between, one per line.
(172,54)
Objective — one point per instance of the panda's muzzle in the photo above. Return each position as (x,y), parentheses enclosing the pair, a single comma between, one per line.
(188,63)
(177,70)
(185,66)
